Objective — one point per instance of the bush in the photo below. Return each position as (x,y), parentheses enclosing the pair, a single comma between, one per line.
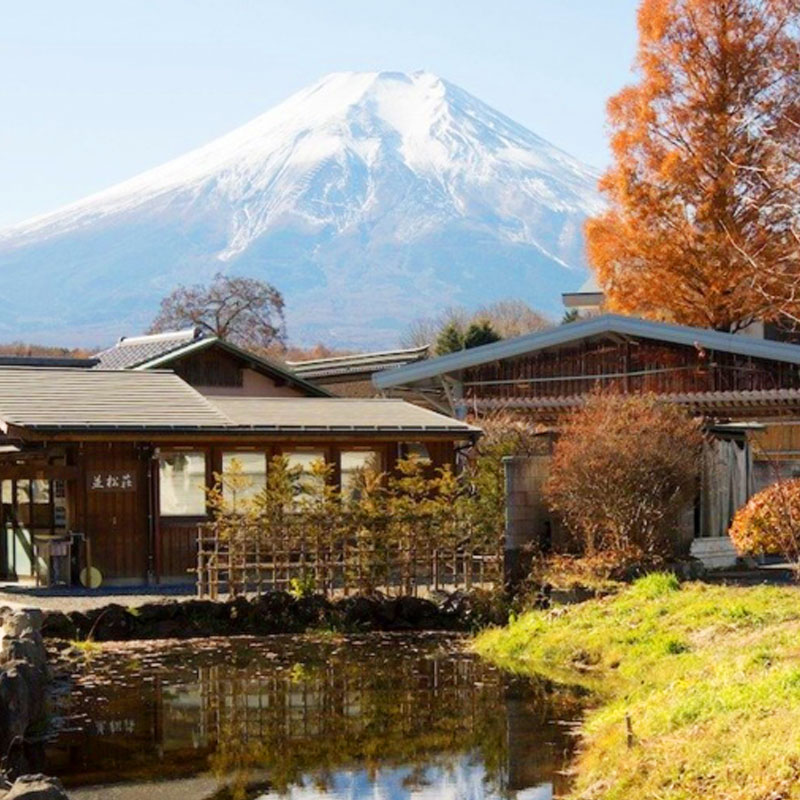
(770,522)
(622,472)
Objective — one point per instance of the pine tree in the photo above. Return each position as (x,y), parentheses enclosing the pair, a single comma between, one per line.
(480,333)
(449,340)
(701,189)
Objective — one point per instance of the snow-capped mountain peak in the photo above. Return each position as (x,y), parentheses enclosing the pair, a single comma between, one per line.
(348,176)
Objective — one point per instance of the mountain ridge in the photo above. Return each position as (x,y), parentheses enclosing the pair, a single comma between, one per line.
(359,197)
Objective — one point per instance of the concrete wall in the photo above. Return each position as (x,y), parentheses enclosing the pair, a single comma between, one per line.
(528,524)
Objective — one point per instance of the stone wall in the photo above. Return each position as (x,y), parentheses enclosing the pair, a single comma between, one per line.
(277,612)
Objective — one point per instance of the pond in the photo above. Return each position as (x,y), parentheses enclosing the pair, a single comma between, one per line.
(324,717)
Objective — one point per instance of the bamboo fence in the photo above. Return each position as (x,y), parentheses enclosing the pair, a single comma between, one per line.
(255,559)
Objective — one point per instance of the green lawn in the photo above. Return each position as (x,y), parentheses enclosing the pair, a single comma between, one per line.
(709,677)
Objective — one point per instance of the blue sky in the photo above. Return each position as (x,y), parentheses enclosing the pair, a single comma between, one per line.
(94,92)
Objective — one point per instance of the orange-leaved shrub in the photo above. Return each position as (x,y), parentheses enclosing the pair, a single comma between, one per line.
(770,522)
(623,470)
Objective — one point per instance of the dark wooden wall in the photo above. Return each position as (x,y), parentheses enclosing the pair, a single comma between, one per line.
(210,368)
(628,366)
(115,522)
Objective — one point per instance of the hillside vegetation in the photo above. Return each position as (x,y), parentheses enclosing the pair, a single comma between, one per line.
(697,687)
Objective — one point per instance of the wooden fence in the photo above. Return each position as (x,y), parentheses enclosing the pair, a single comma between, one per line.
(258,559)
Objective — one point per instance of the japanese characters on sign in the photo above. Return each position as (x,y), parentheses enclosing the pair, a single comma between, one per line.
(112,481)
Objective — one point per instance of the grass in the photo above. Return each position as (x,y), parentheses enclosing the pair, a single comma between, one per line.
(708,676)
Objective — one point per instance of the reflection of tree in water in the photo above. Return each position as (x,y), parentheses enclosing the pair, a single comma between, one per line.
(266,713)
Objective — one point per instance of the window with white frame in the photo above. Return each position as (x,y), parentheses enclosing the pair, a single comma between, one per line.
(182,484)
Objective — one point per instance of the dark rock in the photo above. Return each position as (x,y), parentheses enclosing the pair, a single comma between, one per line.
(415,611)
(57,625)
(81,622)
(155,612)
(360,611)
(238,611)
(22,699)
(386,609)
(36,787)
(16,703)
(24,675)
(310,611)
(168,629)
(113,623)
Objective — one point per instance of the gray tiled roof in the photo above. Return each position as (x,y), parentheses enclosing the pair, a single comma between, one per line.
(74,399)
(51,399)
(335,414)
(132,351)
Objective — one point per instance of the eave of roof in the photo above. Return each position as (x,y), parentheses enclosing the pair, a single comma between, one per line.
(584,329)
(383,357)
(366,370)
(741,400)
(47,361)
(582,299)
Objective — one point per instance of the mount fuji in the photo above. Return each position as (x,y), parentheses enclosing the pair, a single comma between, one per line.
(368,199)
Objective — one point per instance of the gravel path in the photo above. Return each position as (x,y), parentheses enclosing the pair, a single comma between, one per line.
(76,599)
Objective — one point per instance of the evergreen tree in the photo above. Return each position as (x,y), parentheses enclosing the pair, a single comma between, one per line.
(480,333)
(449,340)
(570,315)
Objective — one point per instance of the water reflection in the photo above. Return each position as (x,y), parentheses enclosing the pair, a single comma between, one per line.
(384,717)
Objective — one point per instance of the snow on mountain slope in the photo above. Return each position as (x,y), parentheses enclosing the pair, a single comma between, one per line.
(367,198)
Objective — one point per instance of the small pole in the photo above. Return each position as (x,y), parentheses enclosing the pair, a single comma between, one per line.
(631,739)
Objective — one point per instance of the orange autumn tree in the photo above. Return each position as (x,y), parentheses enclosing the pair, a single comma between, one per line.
(700,189)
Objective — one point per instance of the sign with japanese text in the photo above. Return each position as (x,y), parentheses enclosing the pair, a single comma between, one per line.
(112,481)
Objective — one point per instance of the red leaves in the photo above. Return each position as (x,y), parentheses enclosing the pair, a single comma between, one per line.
(770,522)
(622,472)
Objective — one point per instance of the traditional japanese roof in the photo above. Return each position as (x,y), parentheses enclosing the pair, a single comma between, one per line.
(600,326)
(132,351)
(52,400)
(337,415)
(161,350)
(358,364)
(78,399)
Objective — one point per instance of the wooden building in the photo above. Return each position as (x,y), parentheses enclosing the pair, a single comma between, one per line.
(210,364)
(117,461)
(747,390)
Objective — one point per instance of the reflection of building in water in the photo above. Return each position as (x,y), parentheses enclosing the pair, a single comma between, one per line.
(337,712)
